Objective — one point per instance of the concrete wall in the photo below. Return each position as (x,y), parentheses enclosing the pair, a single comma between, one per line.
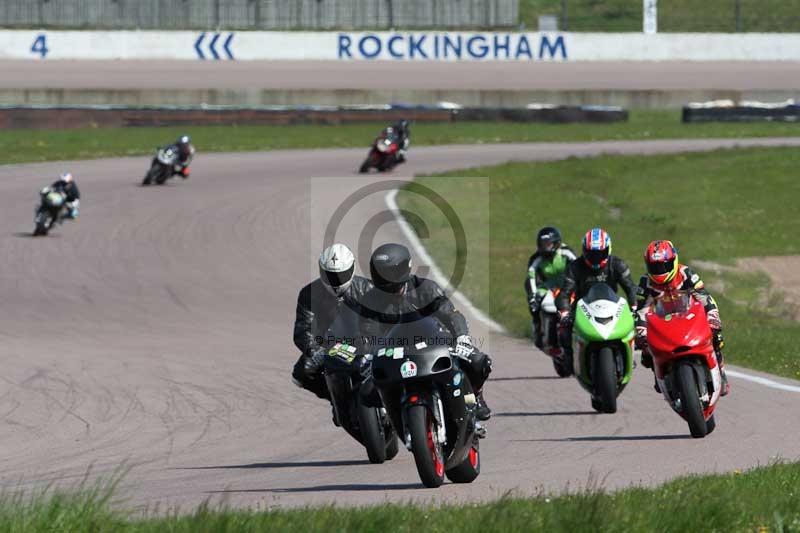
(398,46)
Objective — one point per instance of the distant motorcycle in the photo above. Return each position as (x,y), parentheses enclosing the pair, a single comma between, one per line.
(370,426)
(49,211)
(430,401)
(602,341)
(680,341)
(549,317)
(383,154)
(163,167)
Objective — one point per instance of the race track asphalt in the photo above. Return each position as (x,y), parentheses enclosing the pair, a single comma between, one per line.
(385,75)
(155,333)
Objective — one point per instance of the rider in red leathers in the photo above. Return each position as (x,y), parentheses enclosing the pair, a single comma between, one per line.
(665,272)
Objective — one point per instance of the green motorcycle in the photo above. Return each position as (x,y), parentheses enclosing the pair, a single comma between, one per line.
(602,344)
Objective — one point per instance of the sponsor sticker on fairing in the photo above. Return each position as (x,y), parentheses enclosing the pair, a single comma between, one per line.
(398,353)
(420,345)
(408,369)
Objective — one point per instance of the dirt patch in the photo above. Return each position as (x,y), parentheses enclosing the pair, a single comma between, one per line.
(783,271)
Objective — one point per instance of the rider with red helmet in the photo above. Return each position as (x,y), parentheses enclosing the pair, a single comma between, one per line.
(665,272)
(596,265)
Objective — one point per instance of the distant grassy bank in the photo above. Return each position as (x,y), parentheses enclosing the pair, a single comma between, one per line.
(715,206)
(21,146)
(763,499)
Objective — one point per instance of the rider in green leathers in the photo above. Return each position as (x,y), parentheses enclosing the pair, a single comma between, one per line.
(546,270)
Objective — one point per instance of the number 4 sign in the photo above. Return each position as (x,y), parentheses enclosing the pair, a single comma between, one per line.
(40,46)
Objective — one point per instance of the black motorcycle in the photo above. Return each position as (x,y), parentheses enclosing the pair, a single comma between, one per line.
(430,401)
(49,211)
(343,375)
(163,166)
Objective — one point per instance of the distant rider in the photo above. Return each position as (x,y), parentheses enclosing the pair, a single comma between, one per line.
(183,147)
(596,265)
(66,184)
(665,272)
(318,304)
(404,139)
(546,270)
(398,295)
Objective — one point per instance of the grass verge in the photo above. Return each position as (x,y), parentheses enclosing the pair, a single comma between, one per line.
(716,206)
(673,16)
(21,146)
(757,500)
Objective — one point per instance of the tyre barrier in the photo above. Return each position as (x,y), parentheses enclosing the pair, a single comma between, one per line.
(84,116)
(728,111)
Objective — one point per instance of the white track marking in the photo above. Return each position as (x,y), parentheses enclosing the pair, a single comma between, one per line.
(772,384)
(436,274)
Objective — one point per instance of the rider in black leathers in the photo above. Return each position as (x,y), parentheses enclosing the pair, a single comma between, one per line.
(66,184)
(399,296)
(318,304)
(596,265)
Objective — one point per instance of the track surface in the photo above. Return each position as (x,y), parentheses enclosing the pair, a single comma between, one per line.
(156,331)
(371,75)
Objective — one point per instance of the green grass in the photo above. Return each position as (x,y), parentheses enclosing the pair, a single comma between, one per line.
(673,16)
(715,206)
(760,498)
(19,146)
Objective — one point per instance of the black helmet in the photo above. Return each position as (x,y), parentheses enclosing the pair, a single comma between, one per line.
(390,267)
(548,241)
(402,125)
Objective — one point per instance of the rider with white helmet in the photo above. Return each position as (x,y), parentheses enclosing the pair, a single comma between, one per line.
(318,304)
(66,184)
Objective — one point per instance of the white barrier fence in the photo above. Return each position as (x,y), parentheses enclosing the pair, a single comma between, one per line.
(397,46)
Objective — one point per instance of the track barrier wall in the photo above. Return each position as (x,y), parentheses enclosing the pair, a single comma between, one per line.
(396,46)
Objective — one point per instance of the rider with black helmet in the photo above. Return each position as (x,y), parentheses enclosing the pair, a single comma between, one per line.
(318,304)
(404,133)
(399,296)
(546,270)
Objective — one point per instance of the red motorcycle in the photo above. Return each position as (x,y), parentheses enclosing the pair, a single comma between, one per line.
(384,153)
(680,341)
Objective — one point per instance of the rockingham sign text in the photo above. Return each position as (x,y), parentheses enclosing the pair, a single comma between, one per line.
(452,46)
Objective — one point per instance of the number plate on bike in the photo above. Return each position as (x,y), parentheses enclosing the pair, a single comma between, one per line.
(345,352)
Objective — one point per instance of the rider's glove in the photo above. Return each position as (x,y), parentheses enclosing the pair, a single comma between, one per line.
(641,338)
(713,319)
(312,364)
(533,304)
(464,346)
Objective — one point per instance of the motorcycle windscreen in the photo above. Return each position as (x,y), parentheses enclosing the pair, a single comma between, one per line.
(685,330)
(600,291)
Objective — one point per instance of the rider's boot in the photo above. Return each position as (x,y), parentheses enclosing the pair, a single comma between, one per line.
(482,411)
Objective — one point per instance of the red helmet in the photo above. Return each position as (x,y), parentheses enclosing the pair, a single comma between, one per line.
(661,259)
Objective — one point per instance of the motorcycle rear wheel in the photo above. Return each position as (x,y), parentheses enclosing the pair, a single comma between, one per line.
(690,401)
(606,380)
(369,421)
(427,452)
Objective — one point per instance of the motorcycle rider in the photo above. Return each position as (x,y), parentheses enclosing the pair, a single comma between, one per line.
(596,265)
(665,272)
(183,147)
(318,304)
(400,296)
(546,269)
(404,139)
(66,184)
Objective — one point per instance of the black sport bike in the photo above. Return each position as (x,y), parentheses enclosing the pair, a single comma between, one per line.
(369,425)
(49,211)
(163,166)
(430,400)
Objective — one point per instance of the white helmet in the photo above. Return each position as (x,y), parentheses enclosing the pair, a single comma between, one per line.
(336,266)
(66,177)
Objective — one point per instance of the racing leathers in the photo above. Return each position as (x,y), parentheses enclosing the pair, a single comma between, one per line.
(404,140)
(73,196)
(185,156)
(317,308)
(687,280)
(421,297)
(579,278)
(545,273)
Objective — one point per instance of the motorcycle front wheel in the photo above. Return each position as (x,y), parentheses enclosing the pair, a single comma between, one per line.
(369,421)
(427,451)
(690,401)
(606,380)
